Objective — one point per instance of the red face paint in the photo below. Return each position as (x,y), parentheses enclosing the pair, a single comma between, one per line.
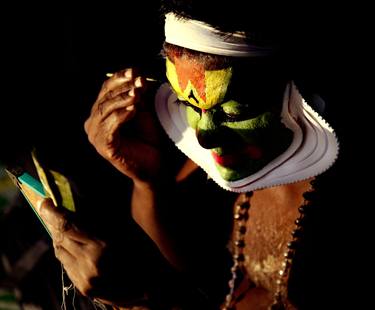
(237,157)
(193,71)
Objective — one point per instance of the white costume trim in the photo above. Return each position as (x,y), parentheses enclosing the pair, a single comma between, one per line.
(199,36)
(313,150)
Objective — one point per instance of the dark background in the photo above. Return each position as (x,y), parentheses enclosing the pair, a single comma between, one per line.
(55,63)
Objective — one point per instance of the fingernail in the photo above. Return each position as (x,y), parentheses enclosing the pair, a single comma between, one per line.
(129,73)
(138,82)
(132,92)
(39,205)
(130,108)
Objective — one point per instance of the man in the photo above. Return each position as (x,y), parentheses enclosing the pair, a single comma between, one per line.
(233,109)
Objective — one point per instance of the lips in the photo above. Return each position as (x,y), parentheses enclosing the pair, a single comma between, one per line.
(234,159)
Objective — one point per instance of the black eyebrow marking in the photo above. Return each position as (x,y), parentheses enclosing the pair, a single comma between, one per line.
(188,104)
(191,95)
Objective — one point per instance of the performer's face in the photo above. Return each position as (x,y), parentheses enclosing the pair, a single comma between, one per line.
(234,106)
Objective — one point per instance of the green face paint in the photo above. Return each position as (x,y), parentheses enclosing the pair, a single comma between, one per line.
(241,145)
(193,117)
(241,127)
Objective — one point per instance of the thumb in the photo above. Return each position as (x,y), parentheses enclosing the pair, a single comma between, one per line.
(54,218)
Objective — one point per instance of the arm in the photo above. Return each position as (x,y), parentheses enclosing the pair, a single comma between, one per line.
(123,130)
(146,201)
(120,271)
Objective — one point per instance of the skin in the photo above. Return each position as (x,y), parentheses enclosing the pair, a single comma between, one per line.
(240,133)
(136,154)
(87,260)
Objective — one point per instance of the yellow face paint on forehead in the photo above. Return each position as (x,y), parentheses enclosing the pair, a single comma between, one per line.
(201,88)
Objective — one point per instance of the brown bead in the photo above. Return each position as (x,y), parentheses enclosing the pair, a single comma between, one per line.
(240,243)
(292,245)
(245,205)
(231,283)
(242,229)
(308,195)
(239,257)
(299,221)
(297,232)
(249,194)
(288,254)
(286,264)
(241,216)
(277,296)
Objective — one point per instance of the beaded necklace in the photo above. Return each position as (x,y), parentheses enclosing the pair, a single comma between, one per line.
(241,216)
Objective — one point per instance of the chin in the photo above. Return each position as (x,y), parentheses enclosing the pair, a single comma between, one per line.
(240,172)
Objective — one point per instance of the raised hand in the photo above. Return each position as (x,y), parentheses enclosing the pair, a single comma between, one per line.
(122,129)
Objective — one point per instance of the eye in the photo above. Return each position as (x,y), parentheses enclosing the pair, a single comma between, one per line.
(233,112)
(188,104)
(229,117)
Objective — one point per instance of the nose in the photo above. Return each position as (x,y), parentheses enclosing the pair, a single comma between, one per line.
(208,130)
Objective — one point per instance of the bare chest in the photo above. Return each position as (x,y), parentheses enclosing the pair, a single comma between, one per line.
(269,228)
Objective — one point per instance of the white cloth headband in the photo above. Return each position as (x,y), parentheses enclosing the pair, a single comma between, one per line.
(199,36)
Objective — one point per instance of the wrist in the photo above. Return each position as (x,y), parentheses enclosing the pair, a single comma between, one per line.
(160,183)
(143,186)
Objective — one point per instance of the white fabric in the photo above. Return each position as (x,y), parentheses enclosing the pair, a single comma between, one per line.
(199,36)
(313,150)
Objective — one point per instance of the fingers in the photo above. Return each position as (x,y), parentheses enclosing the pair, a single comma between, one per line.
(121,82)
(53,217)
(124,87)
(83,270)
(78,253)
(123,100)
(116,119)
(64,256)
(116,80)
(57,220)
(117,101)
(73,269)
(105,136)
